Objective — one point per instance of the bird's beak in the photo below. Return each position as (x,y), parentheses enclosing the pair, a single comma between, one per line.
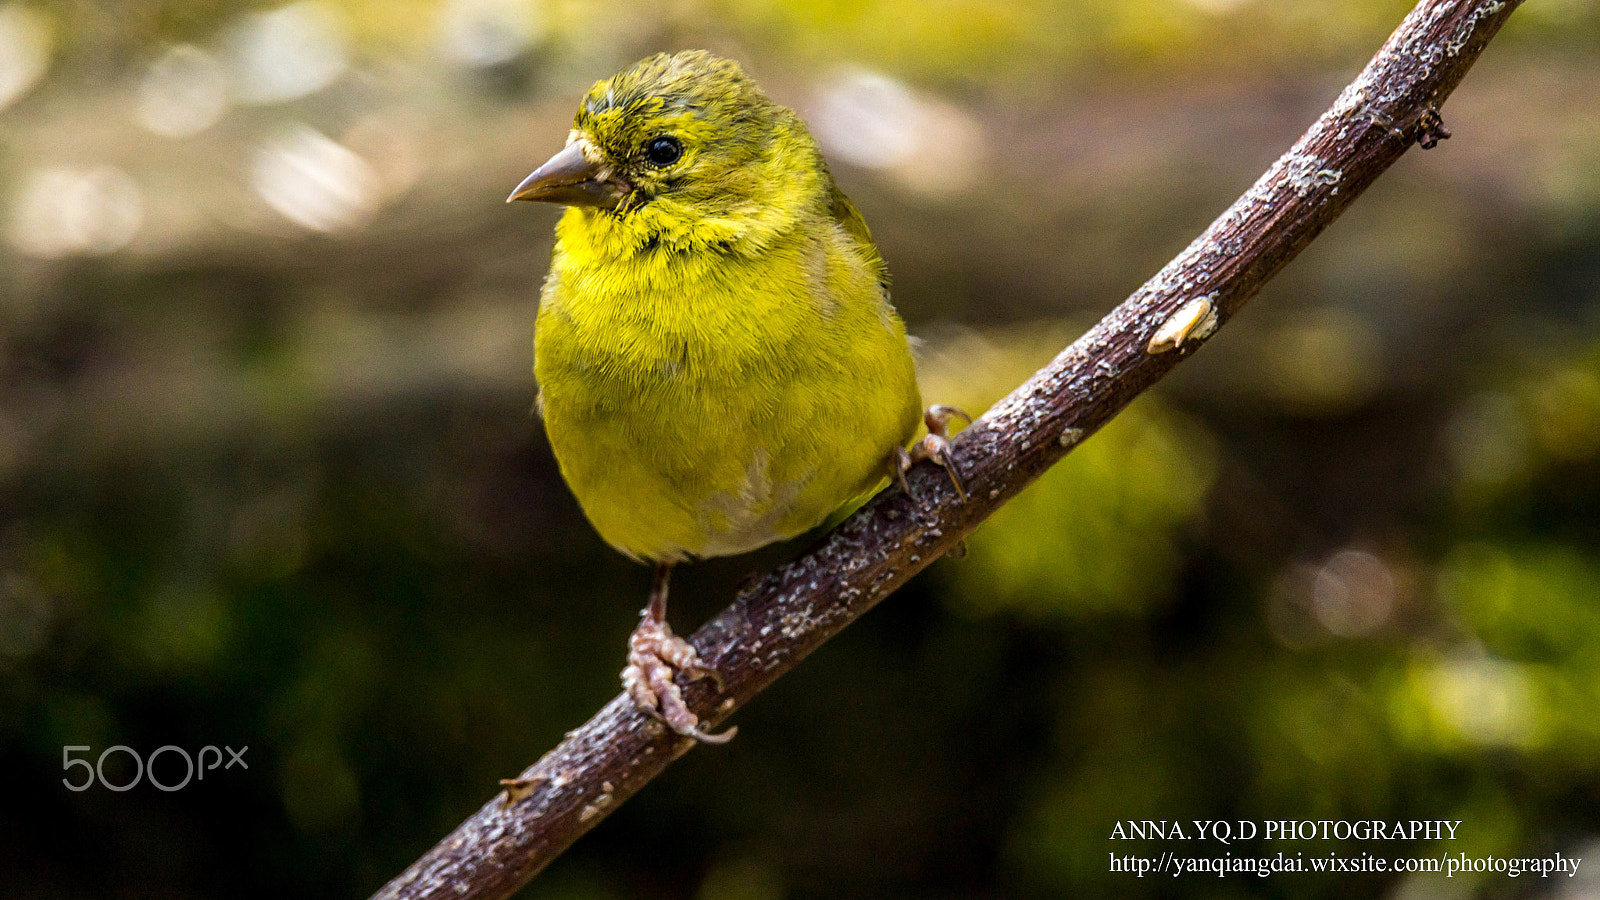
(570,178)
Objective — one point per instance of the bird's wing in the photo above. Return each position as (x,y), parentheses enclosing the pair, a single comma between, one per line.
(849,218)
(846,214)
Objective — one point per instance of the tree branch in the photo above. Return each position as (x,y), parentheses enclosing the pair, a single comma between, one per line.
(771,626)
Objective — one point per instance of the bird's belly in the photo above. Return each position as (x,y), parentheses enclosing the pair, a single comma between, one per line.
(673,464)
(704,405)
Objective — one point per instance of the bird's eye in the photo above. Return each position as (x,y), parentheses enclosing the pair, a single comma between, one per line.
(663,151)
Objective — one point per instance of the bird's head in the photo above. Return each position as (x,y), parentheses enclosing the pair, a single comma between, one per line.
(683,148)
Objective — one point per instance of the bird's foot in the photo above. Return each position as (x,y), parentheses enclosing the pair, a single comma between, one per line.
(655,657)
(935,446)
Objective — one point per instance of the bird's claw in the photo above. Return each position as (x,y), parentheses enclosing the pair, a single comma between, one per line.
(934,446)
(655,657)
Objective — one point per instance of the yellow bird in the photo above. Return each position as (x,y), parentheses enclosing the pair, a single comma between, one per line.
(718,362)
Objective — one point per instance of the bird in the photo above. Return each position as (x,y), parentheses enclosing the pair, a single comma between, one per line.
(719,365)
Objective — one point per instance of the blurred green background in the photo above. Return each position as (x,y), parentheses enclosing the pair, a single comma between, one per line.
(269,477)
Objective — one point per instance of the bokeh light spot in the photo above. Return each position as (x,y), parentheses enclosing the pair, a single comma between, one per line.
(873,121)
(482,33)
(1484,700)
(24,51)
(1353,593)
(286,53)
(183,93)
(63,211)
(314,181)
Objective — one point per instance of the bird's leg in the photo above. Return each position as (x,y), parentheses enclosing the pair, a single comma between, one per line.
(655,657)
(935,445)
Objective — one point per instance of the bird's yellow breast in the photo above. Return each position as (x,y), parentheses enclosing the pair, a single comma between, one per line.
(706,403)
